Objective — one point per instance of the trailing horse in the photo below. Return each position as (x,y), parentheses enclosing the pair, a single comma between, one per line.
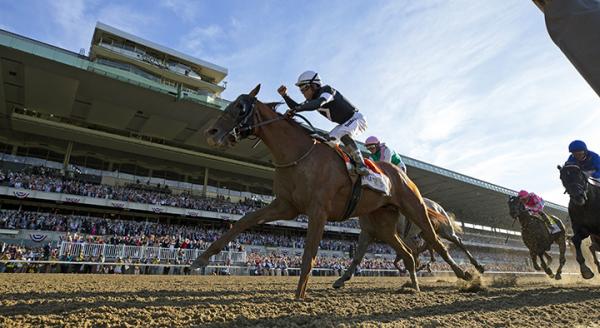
(310,178)
(584,210)
(443,223)
(537,238)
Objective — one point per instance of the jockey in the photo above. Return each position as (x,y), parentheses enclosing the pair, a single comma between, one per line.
(587,160)
(381,153)
(331,104)
(535,205)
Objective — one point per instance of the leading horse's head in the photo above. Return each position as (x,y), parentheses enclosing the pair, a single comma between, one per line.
(575,183)
(515,206)
(235,123)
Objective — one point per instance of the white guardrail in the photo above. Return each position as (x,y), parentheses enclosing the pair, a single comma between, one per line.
(144,252)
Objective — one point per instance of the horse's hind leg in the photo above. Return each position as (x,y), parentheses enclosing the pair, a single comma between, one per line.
(545,267)
(418,252)
(364,239)
(387,233)
(534,257)
(458,242)
(548,258)
(562,247)
(417,213)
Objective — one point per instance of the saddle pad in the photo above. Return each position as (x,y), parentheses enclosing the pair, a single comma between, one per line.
(378,182)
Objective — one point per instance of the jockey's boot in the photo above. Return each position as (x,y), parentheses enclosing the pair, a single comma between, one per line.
(550,224)
(352,148)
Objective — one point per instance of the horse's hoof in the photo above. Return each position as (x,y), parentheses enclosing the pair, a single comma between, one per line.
(338,284)
(480,268)
(537,268)
(410,290)
(467,276)
(586,273)
(407,284)
(558,276)
(199,263)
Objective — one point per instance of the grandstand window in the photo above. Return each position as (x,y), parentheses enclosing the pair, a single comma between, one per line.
(127,168)
(38,153)
(112,63)
(54,156)
(196,179)
(142,171)
(159,174)
(173,176)
(22,151)
(94,163)
(5,148)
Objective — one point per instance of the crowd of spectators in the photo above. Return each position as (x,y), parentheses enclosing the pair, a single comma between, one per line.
(50,180)
(97,230)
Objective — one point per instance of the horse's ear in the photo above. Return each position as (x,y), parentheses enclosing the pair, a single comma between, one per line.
(559,167)
(255,91)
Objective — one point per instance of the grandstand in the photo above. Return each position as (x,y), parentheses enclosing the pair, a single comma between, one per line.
(111,145)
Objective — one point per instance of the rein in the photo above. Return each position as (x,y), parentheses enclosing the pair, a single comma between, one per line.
(294,163)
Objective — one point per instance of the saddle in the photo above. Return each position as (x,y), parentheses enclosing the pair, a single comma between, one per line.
(376,180)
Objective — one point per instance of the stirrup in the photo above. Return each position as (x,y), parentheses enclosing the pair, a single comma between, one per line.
(362,170)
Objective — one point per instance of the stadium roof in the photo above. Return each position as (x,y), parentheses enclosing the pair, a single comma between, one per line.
(102,28)
(51,95)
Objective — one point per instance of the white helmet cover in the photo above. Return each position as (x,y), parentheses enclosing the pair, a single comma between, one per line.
(309,77)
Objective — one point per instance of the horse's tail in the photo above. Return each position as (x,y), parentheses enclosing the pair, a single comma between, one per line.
(437,218)
(457,227)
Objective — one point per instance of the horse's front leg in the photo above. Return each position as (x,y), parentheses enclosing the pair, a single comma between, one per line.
(579,236)
(277,210)
(595,247)
(314,234)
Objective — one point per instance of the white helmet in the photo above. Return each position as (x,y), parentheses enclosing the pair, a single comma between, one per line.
(309,77)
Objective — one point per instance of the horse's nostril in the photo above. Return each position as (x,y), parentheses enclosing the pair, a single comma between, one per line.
(211,132)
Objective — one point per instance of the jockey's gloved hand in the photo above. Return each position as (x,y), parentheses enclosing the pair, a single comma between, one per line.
(290,113)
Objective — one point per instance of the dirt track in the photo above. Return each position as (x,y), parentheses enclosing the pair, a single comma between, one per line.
(166,301)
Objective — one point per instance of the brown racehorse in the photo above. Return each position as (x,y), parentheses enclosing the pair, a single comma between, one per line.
(443,223)
(310,178)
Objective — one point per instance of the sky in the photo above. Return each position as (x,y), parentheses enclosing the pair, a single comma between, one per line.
(476,87)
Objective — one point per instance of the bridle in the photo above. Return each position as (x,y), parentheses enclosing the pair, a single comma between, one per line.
(576,187)
(248,120)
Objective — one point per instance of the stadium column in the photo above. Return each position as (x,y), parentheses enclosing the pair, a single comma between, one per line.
(205,181)
(68,155)
(15,148)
